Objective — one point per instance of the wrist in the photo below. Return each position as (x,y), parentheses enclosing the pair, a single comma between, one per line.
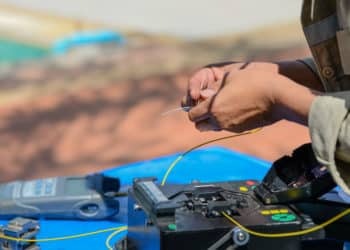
(292,100)
(302,74)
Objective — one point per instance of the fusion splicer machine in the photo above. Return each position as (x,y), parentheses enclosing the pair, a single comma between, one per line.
(205,216)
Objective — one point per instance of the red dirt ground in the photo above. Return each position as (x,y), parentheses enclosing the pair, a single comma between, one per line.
(96,128)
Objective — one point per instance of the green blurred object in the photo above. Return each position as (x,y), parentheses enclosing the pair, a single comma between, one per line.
(13,51)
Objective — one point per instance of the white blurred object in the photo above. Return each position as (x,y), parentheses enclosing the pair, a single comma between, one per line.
(346,246)
(185,18)
(171,111)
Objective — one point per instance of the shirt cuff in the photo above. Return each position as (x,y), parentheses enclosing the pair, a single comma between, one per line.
(326,117)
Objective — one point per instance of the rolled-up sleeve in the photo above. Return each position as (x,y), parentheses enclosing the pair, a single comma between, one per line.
(329,125)
(309,62)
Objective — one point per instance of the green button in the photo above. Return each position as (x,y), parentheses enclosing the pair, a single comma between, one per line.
(283,217)
(172,227)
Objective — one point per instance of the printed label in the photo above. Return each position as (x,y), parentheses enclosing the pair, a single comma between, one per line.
(39,188)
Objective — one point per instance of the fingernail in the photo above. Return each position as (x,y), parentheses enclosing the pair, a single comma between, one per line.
(207,93)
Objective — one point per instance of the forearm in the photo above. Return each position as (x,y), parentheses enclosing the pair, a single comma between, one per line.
(294,89)
(297,71)
(301,73)
(293,101)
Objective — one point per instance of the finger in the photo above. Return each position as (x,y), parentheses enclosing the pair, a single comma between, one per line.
(218,73)
(194,86)
(205,94)
(204,125)
(209,79)
(200,111)
(211,90)
(199,82)
(207,125)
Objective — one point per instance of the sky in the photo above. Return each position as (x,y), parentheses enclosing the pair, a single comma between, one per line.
(185,18)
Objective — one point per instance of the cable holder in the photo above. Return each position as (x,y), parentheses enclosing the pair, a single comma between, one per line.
(21,229)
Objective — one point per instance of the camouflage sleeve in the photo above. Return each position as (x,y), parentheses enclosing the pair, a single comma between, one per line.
(329,125)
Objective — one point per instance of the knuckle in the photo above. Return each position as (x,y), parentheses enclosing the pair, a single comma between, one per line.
(198,125)
(191,116)
(230,75)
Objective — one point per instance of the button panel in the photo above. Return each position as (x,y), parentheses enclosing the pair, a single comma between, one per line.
(243,189)
(274,211)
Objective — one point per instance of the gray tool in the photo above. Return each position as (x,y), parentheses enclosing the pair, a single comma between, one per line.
(76,197)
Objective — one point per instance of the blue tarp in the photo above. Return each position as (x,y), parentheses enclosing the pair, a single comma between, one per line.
(206,165)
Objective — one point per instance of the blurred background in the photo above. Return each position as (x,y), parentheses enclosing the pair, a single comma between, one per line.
(83,84)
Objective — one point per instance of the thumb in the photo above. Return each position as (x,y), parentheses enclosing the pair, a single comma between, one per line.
(200,111)
(206,93)
(211,90)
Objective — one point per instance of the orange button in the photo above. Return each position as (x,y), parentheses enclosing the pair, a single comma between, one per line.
(250,183)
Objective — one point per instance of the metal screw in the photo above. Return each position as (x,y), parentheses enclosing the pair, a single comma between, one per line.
(137,207)
(241,236)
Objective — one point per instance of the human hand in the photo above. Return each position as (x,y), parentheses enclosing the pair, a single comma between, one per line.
(206,81)
(248,99)
(242,102)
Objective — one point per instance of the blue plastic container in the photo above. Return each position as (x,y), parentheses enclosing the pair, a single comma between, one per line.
(87,38)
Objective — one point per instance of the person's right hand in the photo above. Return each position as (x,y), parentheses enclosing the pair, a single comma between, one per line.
(206,81)
(220,98)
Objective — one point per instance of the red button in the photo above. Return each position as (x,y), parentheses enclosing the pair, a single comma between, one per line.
(250,183)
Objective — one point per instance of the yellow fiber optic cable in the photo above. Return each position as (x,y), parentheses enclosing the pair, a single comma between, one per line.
(121,228)
(180,157)
(290,234)
(108,240)
(259,234)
